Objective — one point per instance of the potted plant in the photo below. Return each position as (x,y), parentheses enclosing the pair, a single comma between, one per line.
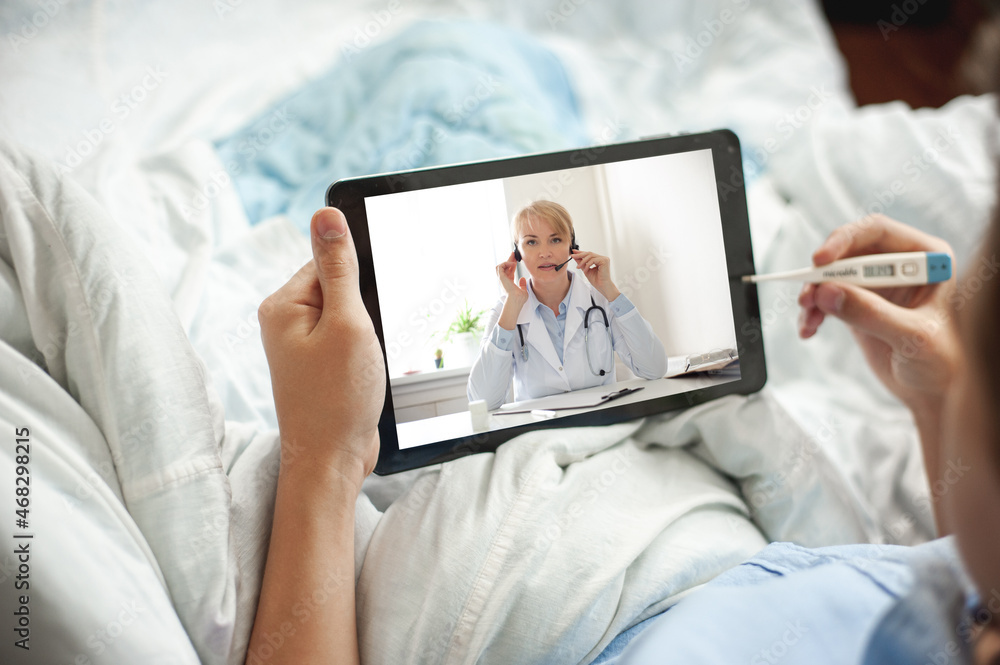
(463,336)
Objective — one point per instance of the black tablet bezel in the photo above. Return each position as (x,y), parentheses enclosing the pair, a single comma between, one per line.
(349,196)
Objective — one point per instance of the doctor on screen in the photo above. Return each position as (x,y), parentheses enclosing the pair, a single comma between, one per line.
(559,330)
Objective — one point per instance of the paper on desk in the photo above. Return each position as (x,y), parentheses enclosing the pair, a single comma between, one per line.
(571,400)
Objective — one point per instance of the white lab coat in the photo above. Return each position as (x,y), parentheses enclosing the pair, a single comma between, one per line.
(542,374)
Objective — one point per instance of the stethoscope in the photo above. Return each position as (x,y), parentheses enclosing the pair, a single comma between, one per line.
(586,336)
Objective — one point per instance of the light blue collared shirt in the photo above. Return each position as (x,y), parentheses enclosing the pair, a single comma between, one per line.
(556,325)
(871,604)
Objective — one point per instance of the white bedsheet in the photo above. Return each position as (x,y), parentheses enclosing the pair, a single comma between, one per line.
(833,459)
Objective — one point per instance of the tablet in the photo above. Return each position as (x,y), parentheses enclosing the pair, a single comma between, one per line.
(656,318)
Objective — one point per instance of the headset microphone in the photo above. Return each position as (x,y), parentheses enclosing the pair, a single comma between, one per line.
(560,266)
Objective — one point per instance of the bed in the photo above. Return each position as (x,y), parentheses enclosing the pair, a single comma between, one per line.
(157,165)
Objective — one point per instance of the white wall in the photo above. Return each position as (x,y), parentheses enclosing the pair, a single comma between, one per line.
(432,250)
(574,189)
(667,241)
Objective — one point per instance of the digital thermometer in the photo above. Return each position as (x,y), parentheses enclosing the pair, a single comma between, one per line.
(876,270)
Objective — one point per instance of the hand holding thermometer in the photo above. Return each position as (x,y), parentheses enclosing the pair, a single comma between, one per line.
(873,270)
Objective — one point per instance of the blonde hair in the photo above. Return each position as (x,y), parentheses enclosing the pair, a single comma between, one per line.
(550,211)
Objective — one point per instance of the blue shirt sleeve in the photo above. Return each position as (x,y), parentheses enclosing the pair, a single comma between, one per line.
(797,605)
(504,339)
(621,305)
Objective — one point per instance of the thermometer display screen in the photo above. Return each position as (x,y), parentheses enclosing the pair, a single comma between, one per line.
(884,270)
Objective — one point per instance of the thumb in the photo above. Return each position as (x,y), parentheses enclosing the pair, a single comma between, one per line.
(523,284)
(865,311)
(335,257)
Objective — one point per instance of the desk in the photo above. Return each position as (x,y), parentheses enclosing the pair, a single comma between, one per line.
(456,425)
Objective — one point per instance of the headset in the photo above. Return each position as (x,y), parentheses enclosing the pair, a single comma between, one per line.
(586,316)
(572,246)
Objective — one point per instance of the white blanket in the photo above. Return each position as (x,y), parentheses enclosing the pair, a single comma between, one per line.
(151,514)
(584,532)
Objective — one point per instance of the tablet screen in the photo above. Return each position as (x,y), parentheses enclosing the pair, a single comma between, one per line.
(644,320)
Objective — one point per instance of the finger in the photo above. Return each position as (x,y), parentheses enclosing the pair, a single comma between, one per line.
(523,284)
(302,288)
(810,319)
(876,234)
(807,296)
(867,312)
(336,263)
(298,302)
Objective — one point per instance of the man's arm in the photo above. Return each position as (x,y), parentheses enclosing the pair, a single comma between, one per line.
(328,377)
(307,599)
